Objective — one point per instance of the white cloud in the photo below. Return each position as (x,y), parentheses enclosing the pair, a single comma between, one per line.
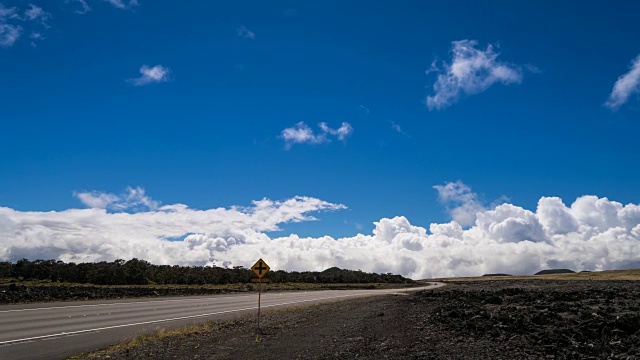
(133,199)
(8,13)
(470,71)
(13,21)
(243,32)
(301,133)
(136,197)
(83,7)
(35,36)
(342,132)
(32,18)
(626,85)
(97,200)
(397,128)
(156,74)
(36,13)
(9,33)
(122,4)
(591,234)
(462,203)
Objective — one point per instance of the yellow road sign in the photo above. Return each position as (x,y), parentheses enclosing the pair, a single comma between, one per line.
(260,268)
(260,280)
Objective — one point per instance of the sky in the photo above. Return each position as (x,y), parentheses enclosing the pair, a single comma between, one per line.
(415,137)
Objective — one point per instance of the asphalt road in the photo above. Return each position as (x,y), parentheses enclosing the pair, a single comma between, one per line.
(61,330)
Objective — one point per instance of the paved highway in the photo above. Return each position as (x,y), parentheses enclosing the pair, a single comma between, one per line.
(60,330)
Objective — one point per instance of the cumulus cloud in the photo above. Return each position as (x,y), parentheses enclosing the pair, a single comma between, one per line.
(150,75)
(626,85)
(591,234)
(96,200)
(301,133)
(95,234)
(471,71)
(462,203)
(243,32)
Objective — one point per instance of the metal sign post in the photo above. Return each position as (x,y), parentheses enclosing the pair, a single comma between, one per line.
(260,268)
(259,292)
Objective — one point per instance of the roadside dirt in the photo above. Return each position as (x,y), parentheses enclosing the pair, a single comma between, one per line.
(535,319)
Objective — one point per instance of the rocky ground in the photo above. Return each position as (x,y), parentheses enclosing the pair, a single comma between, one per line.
(534,319)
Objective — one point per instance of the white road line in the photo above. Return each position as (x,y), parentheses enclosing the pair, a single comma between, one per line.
(159,321)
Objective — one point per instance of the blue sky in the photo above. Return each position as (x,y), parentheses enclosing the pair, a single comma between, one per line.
(207,125)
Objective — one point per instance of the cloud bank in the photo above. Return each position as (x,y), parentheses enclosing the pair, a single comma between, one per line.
(626,85)
(471,71)
(590,234)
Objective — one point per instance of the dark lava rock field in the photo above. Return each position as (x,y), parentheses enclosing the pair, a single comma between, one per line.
(549,319)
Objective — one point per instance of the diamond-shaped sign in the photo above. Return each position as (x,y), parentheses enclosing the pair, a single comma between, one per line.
(260,268)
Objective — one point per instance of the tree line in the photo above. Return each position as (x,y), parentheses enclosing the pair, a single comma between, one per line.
(141,272)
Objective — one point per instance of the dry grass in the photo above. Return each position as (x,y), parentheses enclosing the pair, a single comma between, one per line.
(633,274)
(159,333)
(212,326)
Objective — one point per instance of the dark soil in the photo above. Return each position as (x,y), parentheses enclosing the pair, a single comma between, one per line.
(506,319)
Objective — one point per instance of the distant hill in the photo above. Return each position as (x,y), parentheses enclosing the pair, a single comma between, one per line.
(497,274)
(555,271)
